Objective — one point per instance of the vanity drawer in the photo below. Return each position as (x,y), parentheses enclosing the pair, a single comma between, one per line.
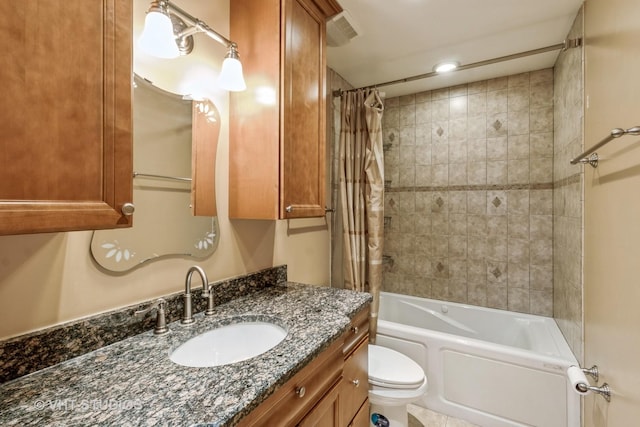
(357,330)
(289,404)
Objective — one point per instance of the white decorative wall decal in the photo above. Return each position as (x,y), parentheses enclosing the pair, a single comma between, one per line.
(207,241)
(114,249)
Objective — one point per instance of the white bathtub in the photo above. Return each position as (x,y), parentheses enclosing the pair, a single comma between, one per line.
(491,367)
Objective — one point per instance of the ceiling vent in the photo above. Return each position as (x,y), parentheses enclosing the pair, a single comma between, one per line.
(341,29)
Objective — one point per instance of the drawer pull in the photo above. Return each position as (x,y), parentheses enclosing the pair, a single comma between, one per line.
(355,329)
(300,391)
(356,383)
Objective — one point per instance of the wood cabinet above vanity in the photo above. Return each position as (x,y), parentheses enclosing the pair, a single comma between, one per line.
(277,126)
(65,115)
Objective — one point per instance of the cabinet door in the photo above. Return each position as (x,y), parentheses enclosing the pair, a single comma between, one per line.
(293,401)
(277,126)
(303,151)
(327,412)
(65,115)
(362,417)
(254,115)
(355,387)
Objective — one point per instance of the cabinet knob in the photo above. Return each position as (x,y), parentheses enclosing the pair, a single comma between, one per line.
(300,391)
(354,329)
(356,383)
(289,209)
(128,209)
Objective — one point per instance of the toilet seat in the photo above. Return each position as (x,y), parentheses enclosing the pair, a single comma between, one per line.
(391,369)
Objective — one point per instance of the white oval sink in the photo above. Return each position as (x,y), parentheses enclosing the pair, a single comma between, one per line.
(228,344)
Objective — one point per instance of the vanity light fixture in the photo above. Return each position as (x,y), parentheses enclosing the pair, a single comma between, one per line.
(445,67)
(231,74)
(158,38)
(168,33)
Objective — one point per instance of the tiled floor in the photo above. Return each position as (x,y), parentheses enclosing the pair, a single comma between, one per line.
(420,417)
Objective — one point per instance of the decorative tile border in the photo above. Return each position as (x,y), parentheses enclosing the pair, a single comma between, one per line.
(504,187)
(573,179)
(37,350)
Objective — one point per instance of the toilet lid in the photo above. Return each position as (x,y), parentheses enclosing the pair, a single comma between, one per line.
(389,368)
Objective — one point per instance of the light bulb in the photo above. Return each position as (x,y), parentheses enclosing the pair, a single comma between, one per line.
(231,77)
(157,38)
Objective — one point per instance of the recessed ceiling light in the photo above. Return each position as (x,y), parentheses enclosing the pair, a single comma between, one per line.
(445,67)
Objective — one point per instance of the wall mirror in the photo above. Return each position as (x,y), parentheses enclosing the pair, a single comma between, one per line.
(174,145)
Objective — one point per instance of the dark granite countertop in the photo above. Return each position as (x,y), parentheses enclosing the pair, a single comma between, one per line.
(133,382)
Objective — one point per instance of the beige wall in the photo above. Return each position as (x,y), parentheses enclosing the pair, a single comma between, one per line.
(47,279)
(612,210)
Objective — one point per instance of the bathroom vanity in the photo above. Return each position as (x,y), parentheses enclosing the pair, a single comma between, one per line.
(319,370)
(332,388)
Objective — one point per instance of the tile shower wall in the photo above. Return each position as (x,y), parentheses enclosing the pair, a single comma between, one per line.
(568,192)
(468,204)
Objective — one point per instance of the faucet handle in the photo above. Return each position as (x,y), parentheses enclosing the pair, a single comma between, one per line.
(154,305)
(161,322)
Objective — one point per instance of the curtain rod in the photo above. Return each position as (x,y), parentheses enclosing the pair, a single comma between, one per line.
(566,44)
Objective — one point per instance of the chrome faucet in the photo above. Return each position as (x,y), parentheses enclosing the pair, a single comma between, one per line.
(187,316)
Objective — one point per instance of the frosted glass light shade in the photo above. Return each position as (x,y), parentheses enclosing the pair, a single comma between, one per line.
(231,77)
(157,38)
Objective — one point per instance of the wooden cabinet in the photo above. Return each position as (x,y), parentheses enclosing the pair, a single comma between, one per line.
(361,419)
(277,126)
(65,115)
(326,413)
(291,403)
(354,402)
(331,391)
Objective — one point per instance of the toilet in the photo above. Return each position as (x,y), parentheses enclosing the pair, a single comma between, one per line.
(394,381)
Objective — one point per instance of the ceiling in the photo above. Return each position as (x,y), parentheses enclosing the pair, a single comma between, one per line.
(404,38)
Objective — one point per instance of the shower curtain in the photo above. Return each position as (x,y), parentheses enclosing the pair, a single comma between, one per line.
(362,194)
